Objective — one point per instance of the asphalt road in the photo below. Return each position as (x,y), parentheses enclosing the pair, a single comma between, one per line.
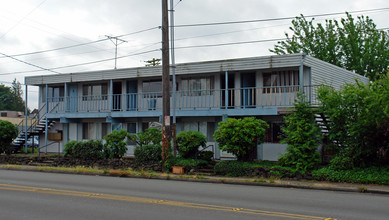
(35,195)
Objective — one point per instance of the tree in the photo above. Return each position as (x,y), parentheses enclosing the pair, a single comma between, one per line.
(351,44)
(303,138)
(8,132)
(358,123)
(11,97)
(17,96)
(241,136)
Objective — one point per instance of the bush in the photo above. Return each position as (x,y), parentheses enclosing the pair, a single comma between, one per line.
(188,164)
(188,143)
(371,175)
(241,136)
(115,145)
(303,138)
(282,172)
(342,161)
(8,132)
(358,120)
(86,150)
(233,168)
(149,136)
(29,150)
(148,154)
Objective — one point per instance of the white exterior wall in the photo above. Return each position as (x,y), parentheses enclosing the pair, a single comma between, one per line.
(324,73)
(270,151)
(52,146)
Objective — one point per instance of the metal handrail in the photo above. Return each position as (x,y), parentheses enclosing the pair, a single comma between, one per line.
(200,152)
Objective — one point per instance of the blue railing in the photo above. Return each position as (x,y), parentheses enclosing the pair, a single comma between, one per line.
(236,98)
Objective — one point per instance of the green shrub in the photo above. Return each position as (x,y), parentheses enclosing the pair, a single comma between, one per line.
(148,154)
(281,172)
(342,161)
(86,150)
(70,148)
(8,132)
(115,144)
(303,138)
(241,136)
(358,120)
(29,150)
(188,143)
(188,164)
(233,168)
(371,175)
(149,136)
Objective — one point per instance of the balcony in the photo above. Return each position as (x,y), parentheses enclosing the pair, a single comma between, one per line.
(205,100)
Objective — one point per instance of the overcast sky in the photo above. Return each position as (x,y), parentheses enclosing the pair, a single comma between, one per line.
(28,26)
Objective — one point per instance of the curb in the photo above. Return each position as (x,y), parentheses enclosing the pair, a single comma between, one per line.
(215,180)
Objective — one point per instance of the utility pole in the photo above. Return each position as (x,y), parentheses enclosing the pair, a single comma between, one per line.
(173,68)
(115,41)
(165,84)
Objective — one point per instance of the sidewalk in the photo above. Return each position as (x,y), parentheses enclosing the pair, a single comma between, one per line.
(301,184)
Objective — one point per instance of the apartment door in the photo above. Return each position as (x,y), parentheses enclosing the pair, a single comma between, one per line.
(132,96)
(117,96)
(248,89)
(73,98)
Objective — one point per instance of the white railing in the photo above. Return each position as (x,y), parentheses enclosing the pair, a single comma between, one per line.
(259,97)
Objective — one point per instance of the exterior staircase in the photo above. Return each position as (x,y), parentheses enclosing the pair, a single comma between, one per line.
(36,127)
(322,122)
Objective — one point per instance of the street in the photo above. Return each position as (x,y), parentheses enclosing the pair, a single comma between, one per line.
(38,195)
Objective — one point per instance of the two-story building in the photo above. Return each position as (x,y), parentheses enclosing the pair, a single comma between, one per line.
(89,105)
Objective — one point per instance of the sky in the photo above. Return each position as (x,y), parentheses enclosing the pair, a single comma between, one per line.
(73,33)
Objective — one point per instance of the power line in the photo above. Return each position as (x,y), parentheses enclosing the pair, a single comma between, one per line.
(30,64)
(274,19)
(24,17)
(80,64)
(60,48)
(100,61)
(78,45)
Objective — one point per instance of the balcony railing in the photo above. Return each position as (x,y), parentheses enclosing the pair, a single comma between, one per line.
(233,98)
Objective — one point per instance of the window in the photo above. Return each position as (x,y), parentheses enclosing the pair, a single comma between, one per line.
(55,93)
(152,86)
(4,114)
(95,91)
(197,85)
(286,81)
(131,129)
